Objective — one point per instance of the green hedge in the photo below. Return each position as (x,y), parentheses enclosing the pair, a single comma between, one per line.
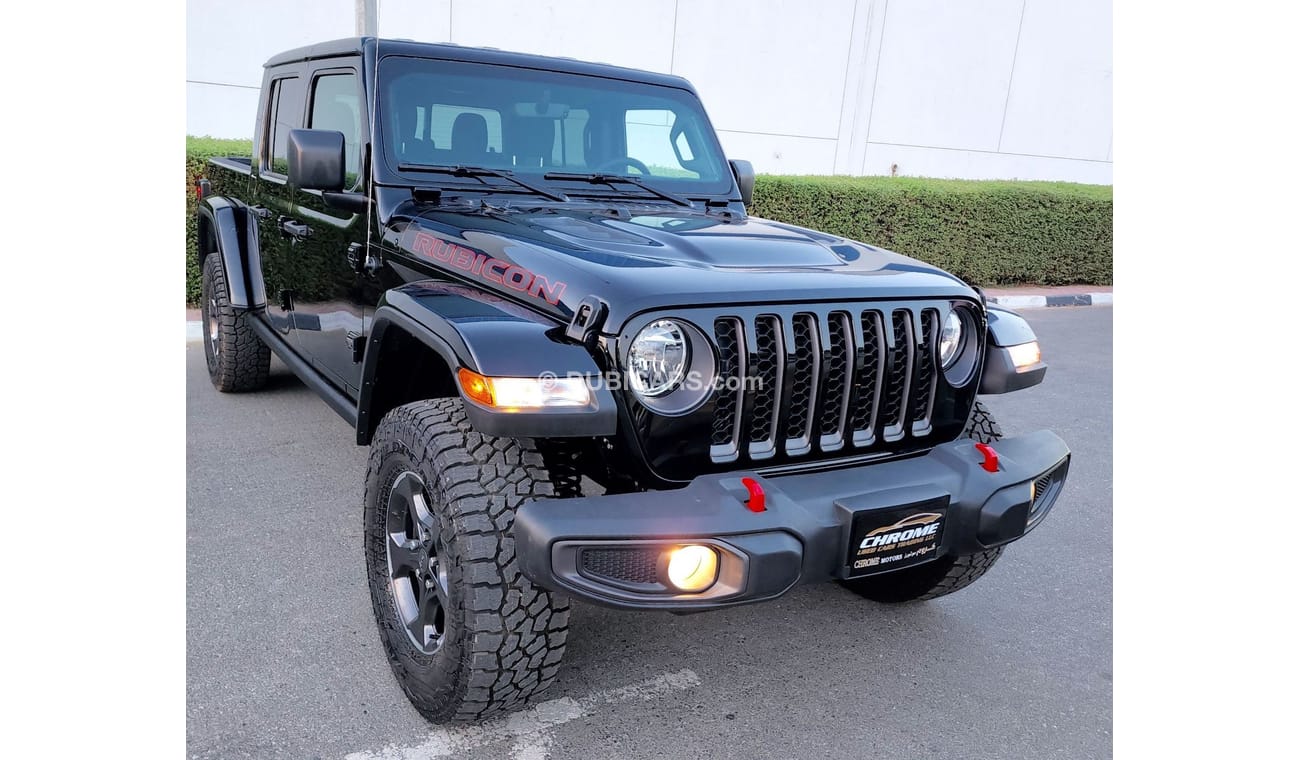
(197,152)
(986,232)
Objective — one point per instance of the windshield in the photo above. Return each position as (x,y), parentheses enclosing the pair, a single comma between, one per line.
(533,123)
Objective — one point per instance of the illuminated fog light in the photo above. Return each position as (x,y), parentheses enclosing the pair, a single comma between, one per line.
(1025,355)
(692,568)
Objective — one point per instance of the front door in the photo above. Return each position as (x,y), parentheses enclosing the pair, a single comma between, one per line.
(329,310)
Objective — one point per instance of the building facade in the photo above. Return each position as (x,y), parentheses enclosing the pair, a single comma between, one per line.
(977,89)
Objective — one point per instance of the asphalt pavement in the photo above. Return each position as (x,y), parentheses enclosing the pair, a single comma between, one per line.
(284,659)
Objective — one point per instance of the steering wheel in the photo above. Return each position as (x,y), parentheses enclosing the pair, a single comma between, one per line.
(623,163)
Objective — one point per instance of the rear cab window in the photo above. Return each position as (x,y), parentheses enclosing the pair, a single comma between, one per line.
(284,113)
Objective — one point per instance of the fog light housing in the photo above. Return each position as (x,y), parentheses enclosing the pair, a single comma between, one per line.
(691,568)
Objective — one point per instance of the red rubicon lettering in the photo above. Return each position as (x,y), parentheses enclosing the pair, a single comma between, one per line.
(491,265)
(495,270)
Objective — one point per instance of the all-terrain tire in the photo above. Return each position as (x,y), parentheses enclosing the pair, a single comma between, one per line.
(502,638)
(238,360)
(946,574)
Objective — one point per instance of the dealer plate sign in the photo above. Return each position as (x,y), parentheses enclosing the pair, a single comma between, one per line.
(888,539)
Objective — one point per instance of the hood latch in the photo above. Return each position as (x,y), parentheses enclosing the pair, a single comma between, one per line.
(587,319)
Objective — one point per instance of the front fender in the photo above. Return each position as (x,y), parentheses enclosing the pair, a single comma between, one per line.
(227,225)
(496,338)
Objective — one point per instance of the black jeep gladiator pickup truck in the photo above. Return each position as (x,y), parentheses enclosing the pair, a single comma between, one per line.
(584,371)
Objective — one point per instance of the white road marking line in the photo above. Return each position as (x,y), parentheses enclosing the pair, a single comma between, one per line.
(531,728)
(193,331)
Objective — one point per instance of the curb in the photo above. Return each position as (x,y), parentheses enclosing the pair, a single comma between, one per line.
(1042,301)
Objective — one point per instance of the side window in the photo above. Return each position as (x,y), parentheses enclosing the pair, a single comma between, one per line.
(286,114)
(650,139)
(336,105)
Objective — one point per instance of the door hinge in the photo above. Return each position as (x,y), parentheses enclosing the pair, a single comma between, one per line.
(361,260)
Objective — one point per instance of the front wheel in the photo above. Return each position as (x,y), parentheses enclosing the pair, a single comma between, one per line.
(467,635)
(946,574)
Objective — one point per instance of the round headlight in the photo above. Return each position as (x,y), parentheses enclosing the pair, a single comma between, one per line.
(950,339)
(658,358)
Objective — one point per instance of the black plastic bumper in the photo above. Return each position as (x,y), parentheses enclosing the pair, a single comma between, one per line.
(803,535)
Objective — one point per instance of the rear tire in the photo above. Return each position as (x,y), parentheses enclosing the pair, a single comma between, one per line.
(466,634)
(946,574)
(238,360)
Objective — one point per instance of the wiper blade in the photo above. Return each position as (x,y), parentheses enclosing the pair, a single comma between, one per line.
(613,179)
(479,172)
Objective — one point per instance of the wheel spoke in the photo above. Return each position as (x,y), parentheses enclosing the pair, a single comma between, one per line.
(404,555)
(428,622)
(423,516)
(439,576)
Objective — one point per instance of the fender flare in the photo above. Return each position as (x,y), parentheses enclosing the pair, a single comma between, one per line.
(234,229)
(494,337)
(1007,328)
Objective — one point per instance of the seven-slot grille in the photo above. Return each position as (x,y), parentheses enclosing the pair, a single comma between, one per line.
(823,381)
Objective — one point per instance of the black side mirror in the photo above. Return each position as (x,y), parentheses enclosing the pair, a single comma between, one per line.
(744,172)
(316,159)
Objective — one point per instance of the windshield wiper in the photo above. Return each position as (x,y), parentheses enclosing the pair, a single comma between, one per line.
(613,179)
(478,173)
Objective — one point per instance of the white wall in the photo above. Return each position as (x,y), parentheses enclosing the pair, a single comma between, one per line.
(945,88)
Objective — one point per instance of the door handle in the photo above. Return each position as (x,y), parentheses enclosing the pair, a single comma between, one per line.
(294,229)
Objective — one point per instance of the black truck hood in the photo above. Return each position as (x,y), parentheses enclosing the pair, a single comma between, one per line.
(649,258)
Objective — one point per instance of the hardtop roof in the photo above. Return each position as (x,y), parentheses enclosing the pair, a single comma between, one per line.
(454,52)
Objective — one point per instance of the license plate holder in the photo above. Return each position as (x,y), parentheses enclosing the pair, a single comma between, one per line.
(881,540)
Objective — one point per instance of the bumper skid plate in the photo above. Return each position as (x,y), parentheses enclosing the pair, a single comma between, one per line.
(816,526)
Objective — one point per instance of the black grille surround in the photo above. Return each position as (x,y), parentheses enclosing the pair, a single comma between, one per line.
(809,385)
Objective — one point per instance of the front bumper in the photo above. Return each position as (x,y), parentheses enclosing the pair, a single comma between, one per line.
(803,535)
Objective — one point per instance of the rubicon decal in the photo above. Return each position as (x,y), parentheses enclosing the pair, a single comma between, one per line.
(492,269)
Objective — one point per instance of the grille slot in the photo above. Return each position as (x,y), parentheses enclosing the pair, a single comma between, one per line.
(798,383)
(804,363)
(626,564)
(868,379)
(768,372)
(731,370)
(923,386)
(899,375)
(836,384)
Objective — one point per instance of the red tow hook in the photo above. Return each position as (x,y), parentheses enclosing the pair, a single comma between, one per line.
(757,501)
(990,463)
